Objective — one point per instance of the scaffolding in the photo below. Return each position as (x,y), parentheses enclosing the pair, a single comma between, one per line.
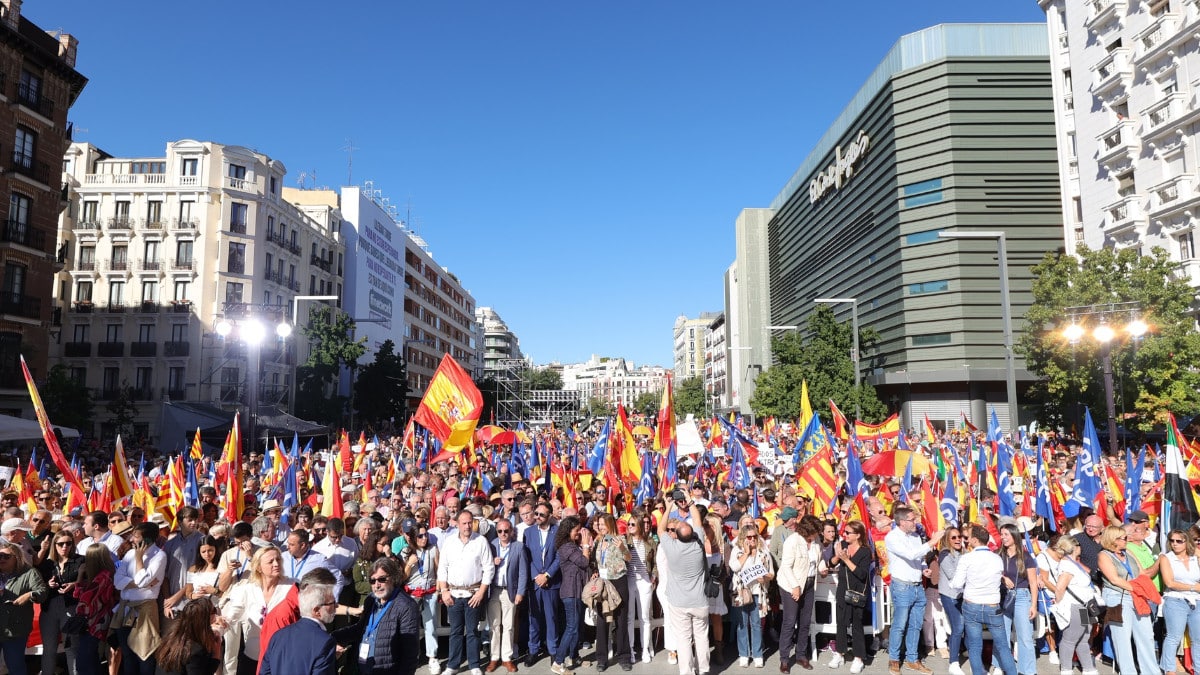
(510,401)
(559,407)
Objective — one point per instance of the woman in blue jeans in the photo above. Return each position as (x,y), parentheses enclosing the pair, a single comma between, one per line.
(753,569)
(1118,570)
(1180,571)
(573,563)
(1020,577)
(947,563)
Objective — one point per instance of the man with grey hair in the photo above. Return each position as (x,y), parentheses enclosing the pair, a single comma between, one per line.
(305,646)
(263,532)
(362,529)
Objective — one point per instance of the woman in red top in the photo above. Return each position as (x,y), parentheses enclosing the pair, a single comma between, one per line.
(97,597)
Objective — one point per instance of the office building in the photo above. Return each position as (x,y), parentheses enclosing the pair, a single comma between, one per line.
(953,132)
(716,364)
(689,344)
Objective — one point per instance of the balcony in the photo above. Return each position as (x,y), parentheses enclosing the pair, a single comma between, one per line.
(16,232)
(178,394)
(142,393)
(1153,41)
(184,264)
(323,263)
(119,223)
(143,349)
(114,308)
(181,306)
(119,265)
(17,304)
(150,265)
(1102,14)
(1173,202)
(231,393)
(294,247)
(104,179)
(32,98)
(276,277)
(148,307)
(82,307)
(1124,216)
(110,349)
(237,227)
(242,184)
(27,166)
(107,393)
(154,223)
(1159,118)
(174,349)
(1118,145)
(77,349)
(1113,75)
(185,224)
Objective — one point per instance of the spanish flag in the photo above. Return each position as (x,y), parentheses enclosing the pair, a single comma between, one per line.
(48,436)
(451,406)
(331,489)
(889,428)
(664,432)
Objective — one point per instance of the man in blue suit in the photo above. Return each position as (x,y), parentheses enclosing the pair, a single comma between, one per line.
(507,592)
(305,646)
(545,612)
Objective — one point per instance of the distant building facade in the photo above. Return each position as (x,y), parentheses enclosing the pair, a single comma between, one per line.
(499,343)
(689,344)
(612,380)
(716,363)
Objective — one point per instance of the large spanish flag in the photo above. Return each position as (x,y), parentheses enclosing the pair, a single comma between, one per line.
(48,436)
(889,428)
(451,406)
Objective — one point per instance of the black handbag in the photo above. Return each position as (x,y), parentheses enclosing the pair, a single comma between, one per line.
(75,624)
(855,598)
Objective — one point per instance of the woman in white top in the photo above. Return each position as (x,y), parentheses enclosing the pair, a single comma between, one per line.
(201,577)
(660,566)
(642,550)
(1072,587)
(1181,596)
(250,599)
(753,569)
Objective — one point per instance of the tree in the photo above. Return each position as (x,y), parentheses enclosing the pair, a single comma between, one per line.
(68,402)
(690,398)
(123,411)
(597,407)
(647,403)
(821,356)
(542,378)
(330,348)
(1152,376)
(381,388)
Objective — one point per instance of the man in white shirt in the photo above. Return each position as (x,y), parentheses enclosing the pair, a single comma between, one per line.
(906,562)
(95,530)
(338,549)
(978,576)
(300,558)
(465,571)
(139,581)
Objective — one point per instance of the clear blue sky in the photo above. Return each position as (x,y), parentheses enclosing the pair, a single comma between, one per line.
(579,165)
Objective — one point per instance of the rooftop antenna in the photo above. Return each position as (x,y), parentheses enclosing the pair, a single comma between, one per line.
(349,148)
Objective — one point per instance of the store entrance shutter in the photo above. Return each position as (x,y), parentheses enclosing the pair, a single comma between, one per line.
(945,409)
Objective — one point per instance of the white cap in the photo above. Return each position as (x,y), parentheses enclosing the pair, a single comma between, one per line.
(13,524)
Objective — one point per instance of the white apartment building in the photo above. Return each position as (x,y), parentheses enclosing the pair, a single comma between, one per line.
(612,380)
(499,343)
(1125,100)
(161,249)
(689,345)
(396,291)
(716,362)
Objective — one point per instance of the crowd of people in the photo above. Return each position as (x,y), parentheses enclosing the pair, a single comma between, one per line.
(702,573)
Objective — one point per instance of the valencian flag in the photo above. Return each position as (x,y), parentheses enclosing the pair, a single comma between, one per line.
(451,406)
(889,428)
(664,432)
(816,477)
(48,436)
(1177,492)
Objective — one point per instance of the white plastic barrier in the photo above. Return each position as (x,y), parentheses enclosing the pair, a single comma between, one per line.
(826,602)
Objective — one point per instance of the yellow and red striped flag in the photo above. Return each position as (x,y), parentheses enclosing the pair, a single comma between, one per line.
(197,452)
(816,479)
(60,461)
(120,485)
(331,489)
(230,479)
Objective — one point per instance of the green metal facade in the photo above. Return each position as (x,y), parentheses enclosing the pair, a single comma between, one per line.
(957,143)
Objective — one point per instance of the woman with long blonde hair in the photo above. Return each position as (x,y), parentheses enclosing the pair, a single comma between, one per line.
(250,599)
(752,570)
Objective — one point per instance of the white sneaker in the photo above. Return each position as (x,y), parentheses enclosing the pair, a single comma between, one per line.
(476,671)
(647,657)
(1053,658)
(836,660)
(758,662)
(558,668)
(856,666)
(744,662)
(672,658)
(955,669)
(435,666)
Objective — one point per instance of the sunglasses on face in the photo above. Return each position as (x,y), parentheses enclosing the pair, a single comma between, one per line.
(6,556)
(539,514)
(63,543)
(1178,541)
(379,580)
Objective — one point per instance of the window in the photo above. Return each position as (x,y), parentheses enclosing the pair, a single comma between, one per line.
(123,212)
(87,257)
(237,171)
(931,339)
(1159,7)
(18,210)
(274,182)
(90,212)
(1187,246)
(153,213)
(175,380)
(928,287)
(83,291)
(292,274)
(189,166)
(921,237)
(270,263)
(149,291)
(233,293)
(1072,146)
(237,217)
(150,254)
(112,380)
(116,291)
(30,89)
(1078,204)
(185,212)
(178,332)
(236,264)
(23,147)
(78,375)
(120,257)
(1067,80)
(183,253)
(143,379)
(1125,184)
(82,332)
(147,167)
(266,298)
(925,192)
(146,332)
(270,226)
(295,238)
(181,290)
(14,280)
(112,332)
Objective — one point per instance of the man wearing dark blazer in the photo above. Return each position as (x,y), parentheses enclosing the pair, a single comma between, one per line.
(545,612)
(507,593)
(305,646)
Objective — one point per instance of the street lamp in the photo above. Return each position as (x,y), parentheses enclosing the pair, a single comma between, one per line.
(253,332)
(1010,359)
(1104,334)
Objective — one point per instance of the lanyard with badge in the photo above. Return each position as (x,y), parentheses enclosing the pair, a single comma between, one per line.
(367,646)
(303,561)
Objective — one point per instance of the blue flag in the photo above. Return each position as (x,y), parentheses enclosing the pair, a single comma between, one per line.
(645,488)
(1005,504)
(1087,484)
(1043,507)
(599,451)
